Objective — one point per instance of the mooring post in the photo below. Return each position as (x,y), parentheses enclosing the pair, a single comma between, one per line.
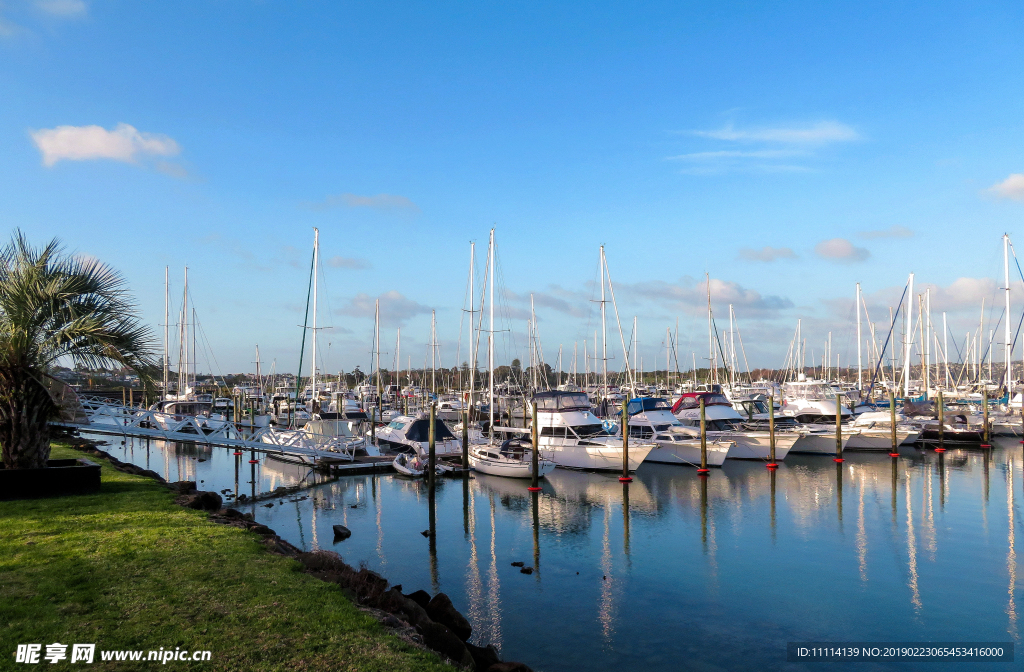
(703,439)
(942,428)
(465,442)
(625,441)
(987,443)
(373,425)
(432,455)
(895,452)
(839,431)
(535,448)
(771,435)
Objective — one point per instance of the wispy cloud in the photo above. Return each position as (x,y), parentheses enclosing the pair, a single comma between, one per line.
(63,8)
(384,202)
(783,149)
(894,231)
(822,132)
(840,249)
(345,262)
(84,143)
(1012,187)
(395,308)
(766,253)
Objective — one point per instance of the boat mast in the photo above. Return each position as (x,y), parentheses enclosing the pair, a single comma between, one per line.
(398,362)
(732,347)
(312,365)
(713,374)
(472,321)
(860,373)
(183,340)
(376,344)
(945,347)
(167,319)
(1006,283)
(490,340)
(908,340)
(604,329)
(433,352)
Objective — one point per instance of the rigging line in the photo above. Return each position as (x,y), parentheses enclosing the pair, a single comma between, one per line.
(305,323)
(881,357)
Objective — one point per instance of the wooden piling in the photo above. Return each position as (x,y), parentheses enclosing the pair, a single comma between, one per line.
(986,439)
(373,425)
(839,431)
(942,428)
(465,441)
(771,435)
(895,452)
(432,455)
(703,439)
(535,448)
(625,442)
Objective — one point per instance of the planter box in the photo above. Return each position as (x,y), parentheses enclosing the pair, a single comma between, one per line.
(61,477)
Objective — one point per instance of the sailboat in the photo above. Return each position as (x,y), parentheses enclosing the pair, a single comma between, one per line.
(512,458)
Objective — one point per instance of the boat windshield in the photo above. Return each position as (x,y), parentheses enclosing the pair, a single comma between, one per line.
(396,425)
(647,404)
(709,400)
(419,430)
(562,401)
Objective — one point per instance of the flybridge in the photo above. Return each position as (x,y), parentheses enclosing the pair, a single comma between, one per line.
(561,401)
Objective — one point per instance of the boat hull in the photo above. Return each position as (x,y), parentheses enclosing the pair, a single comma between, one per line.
(688,453)
(509,468)
(756,445)
(594,456)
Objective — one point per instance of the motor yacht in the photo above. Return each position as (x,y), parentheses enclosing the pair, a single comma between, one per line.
(513,458)
(651,419)
(723,422)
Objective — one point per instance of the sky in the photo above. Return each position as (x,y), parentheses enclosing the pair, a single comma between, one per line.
(788,150)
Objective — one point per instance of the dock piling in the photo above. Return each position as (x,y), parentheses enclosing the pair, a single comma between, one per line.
(534,449)
(839,431)
(771,439)
(625,442)
(703,439)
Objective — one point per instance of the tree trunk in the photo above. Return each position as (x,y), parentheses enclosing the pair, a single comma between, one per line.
(25,411)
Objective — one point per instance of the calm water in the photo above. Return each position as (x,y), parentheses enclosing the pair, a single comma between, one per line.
(672,571)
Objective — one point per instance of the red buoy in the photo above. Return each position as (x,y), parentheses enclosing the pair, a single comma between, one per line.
(772,465)
(254,461)
(986,445)
(894,454)
(703,471)
(940,450)
(532,489)
(238,453)
(838,459)
(625,479)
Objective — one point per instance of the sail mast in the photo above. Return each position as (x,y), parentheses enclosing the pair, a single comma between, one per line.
(1006,282)
(490,339)
(167,320)
(472,340)
(860,374)
(312,366)
(604,329)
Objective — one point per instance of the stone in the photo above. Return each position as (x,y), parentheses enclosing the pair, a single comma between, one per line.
(413,613)
(518,564)
(341,532)
(441,609)
(483,656)
(508,667)
(444,641)
(420,597)
(526,570)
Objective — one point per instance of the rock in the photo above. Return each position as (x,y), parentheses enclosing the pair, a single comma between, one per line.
(341,532)
(260,529)
(445,642)
(392,621)
(231,513)
(184,487)
(420,597)
(242,497)
(152,474)
(268,506)
(441,609)
(518,564)
(508,667)
(484,657)
(206,501)
(413,613)
(526,570)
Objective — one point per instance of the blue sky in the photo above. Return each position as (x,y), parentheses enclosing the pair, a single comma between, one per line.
(789,150)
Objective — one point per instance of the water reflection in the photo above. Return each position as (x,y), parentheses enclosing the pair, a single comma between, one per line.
(716,571)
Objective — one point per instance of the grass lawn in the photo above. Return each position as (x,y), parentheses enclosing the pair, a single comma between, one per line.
(128,569)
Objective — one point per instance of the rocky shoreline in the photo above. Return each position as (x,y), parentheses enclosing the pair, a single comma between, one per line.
(421,620)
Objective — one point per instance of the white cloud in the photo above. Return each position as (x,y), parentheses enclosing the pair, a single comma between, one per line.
(841,250)
(1012,187)
(395,308)
(81,143)
(63,8)
(820,133)
(689,293)
(767,253)
(345,262)
(379,202)
(736,154)
(894,231)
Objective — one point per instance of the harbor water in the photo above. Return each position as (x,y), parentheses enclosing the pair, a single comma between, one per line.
(673,571)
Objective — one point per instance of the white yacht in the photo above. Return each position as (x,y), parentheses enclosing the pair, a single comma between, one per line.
(512,459)
(872,430)
(723,422)
(406,433)
(812,402)
(571,436)
(651,419)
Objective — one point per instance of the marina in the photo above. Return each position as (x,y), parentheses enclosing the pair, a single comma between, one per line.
(720,570)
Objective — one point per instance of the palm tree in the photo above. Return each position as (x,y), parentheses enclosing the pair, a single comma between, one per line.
(57,307)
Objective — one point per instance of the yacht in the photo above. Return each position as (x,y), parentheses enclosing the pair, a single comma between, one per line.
(651,419)
(512,459)
(812,402)
(406,433)
(571,436)
(723,422)
(874,432)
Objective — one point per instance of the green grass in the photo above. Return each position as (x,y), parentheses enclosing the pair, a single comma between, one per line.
(128,569)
